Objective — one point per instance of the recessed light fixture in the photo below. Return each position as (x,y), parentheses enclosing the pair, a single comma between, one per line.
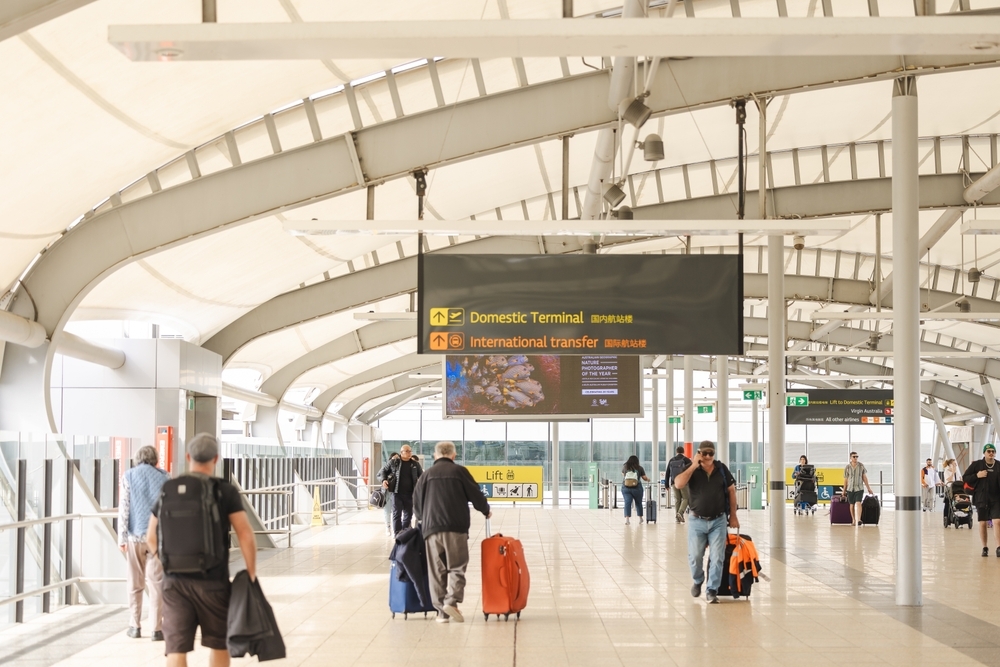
(169,53)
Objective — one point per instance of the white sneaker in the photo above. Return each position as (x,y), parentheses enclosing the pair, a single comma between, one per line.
(454,613)
(628,521)
(640,519)
(441,618)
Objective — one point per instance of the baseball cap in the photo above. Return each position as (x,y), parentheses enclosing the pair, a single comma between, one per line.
(989,447)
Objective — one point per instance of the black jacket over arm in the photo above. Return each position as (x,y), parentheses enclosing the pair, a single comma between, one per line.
(251,626)
(442,496)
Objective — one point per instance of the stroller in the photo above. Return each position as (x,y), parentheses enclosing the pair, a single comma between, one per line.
(805,490)
(957,506)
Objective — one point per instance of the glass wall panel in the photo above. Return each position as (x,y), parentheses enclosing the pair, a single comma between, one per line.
(485,442)
(436,429)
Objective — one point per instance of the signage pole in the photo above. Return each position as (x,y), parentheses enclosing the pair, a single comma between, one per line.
(688,405)
(671,434)
(776,387)
(722,371)
(754,455)
(555,464)
(656,435)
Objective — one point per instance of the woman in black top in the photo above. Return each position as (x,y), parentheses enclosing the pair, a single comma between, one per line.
(632,476)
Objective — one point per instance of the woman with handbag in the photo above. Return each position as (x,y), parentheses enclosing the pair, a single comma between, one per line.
(632,476)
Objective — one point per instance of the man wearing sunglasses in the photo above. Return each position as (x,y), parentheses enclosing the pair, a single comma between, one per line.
(855,483)
(713,507)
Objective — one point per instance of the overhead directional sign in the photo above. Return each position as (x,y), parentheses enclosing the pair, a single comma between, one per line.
(580,304)
(675,420)
(705,409)
(752,394)
(843,406)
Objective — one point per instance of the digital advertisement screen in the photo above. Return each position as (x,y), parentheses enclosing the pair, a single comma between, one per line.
(537,387)
(580,304)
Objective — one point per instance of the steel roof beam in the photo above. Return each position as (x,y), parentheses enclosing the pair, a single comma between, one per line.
(17,16)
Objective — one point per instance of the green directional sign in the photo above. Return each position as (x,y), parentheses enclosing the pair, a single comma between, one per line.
(674,420)
(705,409)
(753,394)
(797,400)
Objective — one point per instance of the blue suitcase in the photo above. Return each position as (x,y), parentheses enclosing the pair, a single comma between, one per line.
(403,598)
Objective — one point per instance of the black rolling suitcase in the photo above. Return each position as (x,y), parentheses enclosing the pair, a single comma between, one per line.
(871,511)
(650,505)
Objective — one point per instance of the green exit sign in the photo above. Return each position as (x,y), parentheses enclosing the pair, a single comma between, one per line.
(674,420)
(797,400)
(705,409)
(752,394)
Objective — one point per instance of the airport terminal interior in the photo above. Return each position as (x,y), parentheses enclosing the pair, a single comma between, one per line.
(556,233)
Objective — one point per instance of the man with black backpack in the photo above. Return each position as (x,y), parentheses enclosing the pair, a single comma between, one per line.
(189,530)
(682,496)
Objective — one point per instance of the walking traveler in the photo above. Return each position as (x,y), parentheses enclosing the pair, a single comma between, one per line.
(403,473)
(387,508)
(929,483)
(441,503)
(139,491)
(633,475)
(855,483)
(189,530)
(984,477)
(803,461)
(713,508)
(682,497)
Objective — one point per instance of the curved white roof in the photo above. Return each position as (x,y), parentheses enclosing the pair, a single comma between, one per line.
(87,127)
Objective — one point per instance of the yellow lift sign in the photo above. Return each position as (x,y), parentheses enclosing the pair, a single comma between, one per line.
(512,483)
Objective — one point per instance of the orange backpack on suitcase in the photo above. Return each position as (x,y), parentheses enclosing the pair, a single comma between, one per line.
(505,576)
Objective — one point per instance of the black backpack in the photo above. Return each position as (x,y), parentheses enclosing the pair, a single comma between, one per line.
(189,526)
(677,466)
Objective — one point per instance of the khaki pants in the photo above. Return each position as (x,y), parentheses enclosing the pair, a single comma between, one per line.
(144,572)
(682,498)
(447,559)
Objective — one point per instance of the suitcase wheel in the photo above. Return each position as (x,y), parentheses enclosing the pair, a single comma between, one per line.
(394,615)
(519,614)
(486,616)
(425,614)
(406,616)
(506,617)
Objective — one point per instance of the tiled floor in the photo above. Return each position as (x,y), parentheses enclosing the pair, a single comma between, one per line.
(607,594)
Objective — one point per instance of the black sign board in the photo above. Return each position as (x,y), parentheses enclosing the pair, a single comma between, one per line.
(843,406)
(580,304)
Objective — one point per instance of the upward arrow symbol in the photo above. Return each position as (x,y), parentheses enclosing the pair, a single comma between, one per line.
(439,317)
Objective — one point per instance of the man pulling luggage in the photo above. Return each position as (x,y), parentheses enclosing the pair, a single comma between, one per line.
(713,508)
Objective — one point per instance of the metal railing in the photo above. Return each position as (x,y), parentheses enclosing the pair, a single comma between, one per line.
(69,580)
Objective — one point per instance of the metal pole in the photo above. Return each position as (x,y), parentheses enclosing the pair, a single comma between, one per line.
(776,386)
(656,433)
(570,471)
(370,204)
(722,371)
(71,466)
(555,464)
(567,9)
(906,343)
(878,262)
(565,162)
(688,405)
(208,13)
(762,159)
(47,535)
(671,435)
(754,444)
(22,501)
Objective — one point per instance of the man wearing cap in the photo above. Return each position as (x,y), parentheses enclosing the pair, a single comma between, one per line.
(984,477)
(713,507)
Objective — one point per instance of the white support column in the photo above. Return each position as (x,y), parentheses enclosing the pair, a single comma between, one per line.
(776,386)
(656,436)
(906,340)
(555,463)
(688,404)
(991,399)
(754,443)
(722,371)
(668,400)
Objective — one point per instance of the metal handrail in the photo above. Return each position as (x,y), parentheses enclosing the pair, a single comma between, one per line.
(62,584)
(28,523)
(291,511)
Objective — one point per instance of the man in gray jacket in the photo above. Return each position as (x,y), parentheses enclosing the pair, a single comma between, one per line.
(441,504)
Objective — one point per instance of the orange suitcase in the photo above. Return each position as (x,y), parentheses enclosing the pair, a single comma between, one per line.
(505,576)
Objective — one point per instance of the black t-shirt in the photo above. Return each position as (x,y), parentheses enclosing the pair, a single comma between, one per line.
(709,494)
(987,489)
(230,502)
(405,478)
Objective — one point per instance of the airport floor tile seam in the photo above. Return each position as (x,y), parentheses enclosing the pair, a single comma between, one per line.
(608,594)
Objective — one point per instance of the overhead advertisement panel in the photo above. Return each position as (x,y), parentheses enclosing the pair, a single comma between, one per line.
(580,304)
(843,406)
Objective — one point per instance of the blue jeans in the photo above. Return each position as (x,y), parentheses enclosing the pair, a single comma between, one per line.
(711,534)
(632,494)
